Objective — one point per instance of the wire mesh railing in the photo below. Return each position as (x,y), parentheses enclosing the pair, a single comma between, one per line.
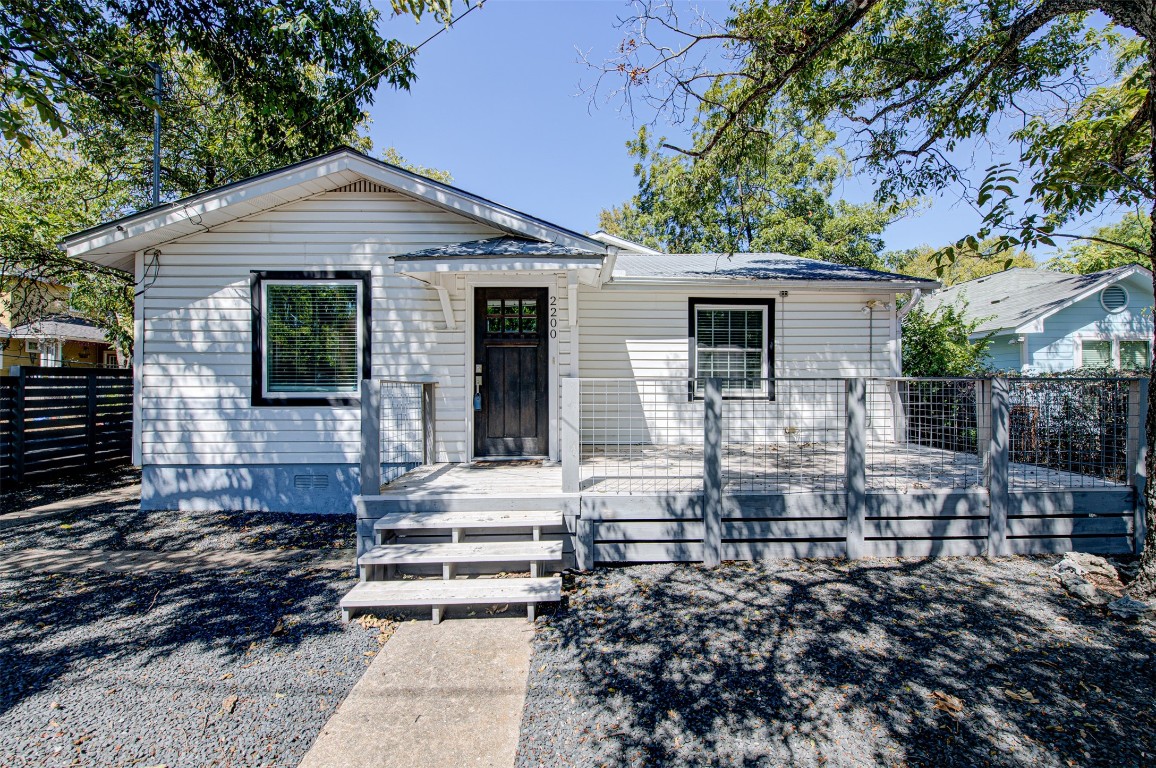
(790,439)
(926,433)
(789,434)
(1071,433)
(403,427)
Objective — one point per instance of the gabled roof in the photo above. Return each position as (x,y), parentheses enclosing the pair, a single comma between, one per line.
(1020,299)
(754,266)
(64,327)
(114,243)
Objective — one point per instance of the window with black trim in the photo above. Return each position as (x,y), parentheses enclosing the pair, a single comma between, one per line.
(732,340)
(310,337)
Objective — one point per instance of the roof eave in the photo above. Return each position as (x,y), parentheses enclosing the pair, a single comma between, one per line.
(891,287)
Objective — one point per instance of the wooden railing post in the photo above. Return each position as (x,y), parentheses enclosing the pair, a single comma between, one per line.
(900,397)
(997,468)
(571,434)
(429,423)
(983,428)
(1138,456)
(370,437)
(712,480)
(855,466)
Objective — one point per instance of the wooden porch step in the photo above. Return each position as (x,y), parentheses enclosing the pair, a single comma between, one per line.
(409,521)
(440,593)
(466,552)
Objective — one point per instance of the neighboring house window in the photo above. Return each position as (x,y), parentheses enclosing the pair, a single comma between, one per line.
(1095,353)
(732,340)
(1134,355)
(310,334)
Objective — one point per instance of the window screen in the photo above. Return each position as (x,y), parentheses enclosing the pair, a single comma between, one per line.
(1134,355)
(1097,354)
(731,344)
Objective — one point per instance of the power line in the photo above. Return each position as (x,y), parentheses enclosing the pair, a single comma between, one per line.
(371,78)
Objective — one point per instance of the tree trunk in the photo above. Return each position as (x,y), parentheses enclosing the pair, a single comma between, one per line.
(1144,586)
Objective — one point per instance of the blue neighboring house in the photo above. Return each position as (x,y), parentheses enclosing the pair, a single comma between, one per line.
(1042,321)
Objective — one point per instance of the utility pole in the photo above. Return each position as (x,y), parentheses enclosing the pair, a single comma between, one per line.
(158,85)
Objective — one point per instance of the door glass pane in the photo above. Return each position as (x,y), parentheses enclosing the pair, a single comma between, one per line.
(1133,355)
(529,322)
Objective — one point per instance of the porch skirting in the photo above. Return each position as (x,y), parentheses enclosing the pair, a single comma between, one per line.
(302,488)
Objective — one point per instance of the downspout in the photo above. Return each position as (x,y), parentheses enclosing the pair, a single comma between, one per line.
(916,295)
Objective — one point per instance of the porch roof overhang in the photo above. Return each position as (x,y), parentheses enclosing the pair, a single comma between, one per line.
(503,254)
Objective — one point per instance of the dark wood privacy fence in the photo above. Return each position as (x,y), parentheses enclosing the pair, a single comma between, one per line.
(55,420)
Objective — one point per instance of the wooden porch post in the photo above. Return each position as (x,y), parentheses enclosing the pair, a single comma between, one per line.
(1137,455)
(855,466)
(997,468)
(712,480)
(571,434)
(429,452)
(370,437)
(983,428)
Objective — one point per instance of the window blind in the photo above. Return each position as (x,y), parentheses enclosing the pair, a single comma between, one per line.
(1097,354)
(1134,355)
(730,344)
(312,338)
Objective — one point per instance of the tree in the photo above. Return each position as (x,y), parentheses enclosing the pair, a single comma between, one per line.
(968,265)
(288,64)
(938,343)
(1133,230)
(913,82)
(773,194)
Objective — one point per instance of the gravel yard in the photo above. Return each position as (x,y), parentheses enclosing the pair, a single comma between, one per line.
(236,668)
(67,487)
(950,662)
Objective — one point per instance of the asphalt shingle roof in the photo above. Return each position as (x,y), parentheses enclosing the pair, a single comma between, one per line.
(1018,296)
(60,327)
(750,266)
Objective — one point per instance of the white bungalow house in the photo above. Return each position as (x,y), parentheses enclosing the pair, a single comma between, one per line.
(305,334)
(1042,321)
(246,399)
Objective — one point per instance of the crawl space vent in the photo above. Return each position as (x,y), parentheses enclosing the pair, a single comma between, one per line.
(1114,298)
(305,482)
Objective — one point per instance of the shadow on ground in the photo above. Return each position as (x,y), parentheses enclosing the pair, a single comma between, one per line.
(109,669)
(835,664)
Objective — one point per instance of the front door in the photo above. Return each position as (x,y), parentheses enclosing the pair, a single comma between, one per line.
(510,372)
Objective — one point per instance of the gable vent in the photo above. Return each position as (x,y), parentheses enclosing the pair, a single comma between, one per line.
(362,185)
(306,482)
(1114,298)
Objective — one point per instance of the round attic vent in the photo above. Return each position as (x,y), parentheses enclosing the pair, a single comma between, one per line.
(1114,298)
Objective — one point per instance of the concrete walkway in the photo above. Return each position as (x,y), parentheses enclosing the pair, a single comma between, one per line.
(148,561)
(47,511)
(445,695)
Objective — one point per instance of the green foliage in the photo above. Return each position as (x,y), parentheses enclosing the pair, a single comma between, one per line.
(765,195)
(968,265)
(1133,230)
(288,64)
(938,343)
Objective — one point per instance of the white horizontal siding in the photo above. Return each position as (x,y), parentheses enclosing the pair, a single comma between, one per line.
(196,351)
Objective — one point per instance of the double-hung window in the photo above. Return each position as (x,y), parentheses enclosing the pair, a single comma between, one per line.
(731,340)
(310,330)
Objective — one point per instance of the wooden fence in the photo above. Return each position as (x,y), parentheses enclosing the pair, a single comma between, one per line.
(56,420)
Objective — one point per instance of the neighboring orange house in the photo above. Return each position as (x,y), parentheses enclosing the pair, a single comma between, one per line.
(56,338)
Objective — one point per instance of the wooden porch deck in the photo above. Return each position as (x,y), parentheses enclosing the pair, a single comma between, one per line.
(747,468)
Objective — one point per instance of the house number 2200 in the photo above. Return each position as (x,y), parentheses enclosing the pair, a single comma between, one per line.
(553,317)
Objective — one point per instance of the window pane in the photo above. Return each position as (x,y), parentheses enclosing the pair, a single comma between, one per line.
(1097,354)
(311,339)
(1134,355)
(730,345)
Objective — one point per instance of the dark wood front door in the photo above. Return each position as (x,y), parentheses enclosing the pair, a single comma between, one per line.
(511,362)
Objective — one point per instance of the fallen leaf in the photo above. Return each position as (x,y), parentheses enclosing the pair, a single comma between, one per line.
(1023,694)
(279,627)
(945,702)
(229,704)
(226,676)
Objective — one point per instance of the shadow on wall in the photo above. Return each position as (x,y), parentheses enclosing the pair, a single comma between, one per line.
(836,664)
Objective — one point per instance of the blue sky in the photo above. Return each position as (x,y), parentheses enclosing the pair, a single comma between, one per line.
(498,102)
